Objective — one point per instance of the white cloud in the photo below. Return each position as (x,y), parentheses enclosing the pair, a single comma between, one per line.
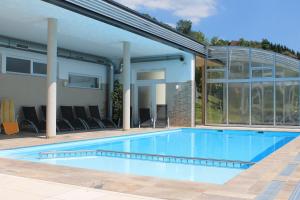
(194,10)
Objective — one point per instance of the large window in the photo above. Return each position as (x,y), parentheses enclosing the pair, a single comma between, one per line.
(25,66)
(39,68)
(252,87)
(18,65)
(83,81)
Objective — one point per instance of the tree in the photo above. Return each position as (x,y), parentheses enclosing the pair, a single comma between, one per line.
(214,41)
(198,79)
(265,44)
(184,26)
(117,100)
(199,37)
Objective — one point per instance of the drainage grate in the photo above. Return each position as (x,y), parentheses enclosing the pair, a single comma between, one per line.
(148,157)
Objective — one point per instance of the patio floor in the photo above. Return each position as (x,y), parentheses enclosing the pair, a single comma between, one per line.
(275,177)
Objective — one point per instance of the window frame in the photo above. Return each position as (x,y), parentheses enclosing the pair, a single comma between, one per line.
(100,85)
(150,70)
(42,61)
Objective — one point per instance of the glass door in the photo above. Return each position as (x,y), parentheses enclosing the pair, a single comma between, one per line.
(145,103)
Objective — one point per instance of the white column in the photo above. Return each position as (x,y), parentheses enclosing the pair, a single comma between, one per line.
(51,78)
(126,85)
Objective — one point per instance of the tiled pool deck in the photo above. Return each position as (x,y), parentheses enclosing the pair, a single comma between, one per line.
(275,177)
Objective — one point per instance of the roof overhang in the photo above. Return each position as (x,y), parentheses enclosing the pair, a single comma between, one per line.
(120,16)
(87,31)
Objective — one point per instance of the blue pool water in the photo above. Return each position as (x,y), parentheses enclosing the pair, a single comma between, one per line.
(247,146)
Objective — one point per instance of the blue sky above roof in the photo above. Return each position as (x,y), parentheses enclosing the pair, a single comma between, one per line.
(276,20)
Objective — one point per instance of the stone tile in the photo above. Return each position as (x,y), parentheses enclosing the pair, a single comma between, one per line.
(11,194)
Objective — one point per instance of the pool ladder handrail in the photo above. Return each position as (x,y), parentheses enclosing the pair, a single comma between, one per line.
(149,157)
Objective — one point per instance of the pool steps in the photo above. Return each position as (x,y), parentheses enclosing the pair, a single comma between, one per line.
(148,157)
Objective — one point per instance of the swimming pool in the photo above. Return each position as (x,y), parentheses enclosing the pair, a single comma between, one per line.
(199,155)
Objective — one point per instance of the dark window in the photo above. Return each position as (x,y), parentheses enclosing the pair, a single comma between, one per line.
(83,81)
(17,65)
(39,68)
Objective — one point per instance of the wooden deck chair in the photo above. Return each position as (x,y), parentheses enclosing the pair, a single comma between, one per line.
(9,124)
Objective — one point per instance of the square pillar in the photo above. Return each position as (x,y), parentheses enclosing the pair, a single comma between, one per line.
(126,74)
(51,78)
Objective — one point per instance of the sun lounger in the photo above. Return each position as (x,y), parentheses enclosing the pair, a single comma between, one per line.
(31,120)
(90,122)
(68,116)
(145,119)
(61,125)
(162,119)
(95,114)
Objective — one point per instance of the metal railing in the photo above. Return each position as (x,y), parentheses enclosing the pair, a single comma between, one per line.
(148,157)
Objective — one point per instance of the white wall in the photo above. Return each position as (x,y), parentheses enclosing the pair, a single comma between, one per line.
(176,70)
(31,90)
(65,66)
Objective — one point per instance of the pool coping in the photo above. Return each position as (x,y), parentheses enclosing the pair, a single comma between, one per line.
(247,185)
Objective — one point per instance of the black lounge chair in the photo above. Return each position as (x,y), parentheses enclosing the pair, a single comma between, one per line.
(95,114)
(145,119)
(31,120)
(68,116)
(162,119)
(90,122)
(61,125)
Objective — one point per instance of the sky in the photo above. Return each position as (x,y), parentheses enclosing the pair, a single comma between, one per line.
(276,20)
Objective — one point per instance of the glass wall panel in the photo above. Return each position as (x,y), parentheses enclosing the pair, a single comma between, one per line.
(216,103)
(262,103)
(217,63)
(238,63)
(238,103)
(262,64)
(215,75)
(287,103)
(272,79)
(286,67)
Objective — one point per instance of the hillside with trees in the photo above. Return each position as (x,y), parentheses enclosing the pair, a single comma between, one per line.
(185,27)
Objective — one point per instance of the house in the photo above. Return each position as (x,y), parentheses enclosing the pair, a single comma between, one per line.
(70,52)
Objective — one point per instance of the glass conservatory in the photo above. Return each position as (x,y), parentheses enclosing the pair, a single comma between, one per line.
(251,87)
